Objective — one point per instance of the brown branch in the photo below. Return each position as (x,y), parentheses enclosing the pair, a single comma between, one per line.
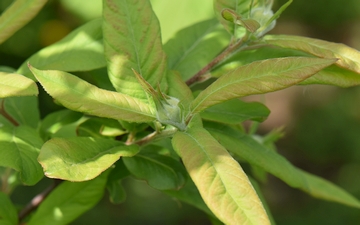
(37,200)
(221,57)
(6,115)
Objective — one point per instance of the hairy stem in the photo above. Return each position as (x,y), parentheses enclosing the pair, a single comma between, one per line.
(37,200)
(221,57)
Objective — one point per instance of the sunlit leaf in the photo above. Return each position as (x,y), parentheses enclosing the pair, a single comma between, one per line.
(68,201)
(81,50)
(332,75)
(8,213)
(78,95)
(257,78)
(195,46)
(19,150)
(236,111)
(12,84)
(81,158)
(220,180)
(132,40)
(348,58)
(256,154)
(19,13)
(159,171)
(100,127)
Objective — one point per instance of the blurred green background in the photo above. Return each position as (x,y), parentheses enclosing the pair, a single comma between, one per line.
(321,124)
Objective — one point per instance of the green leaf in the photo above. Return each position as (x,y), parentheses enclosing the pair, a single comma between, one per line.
(18,14)
(100,127)
(78,95)
(20,148)
(132,40)
(220,180)
(194,47)
(81,158)
(190,195)
(53,122)
(236,111)
(160,171)
(8,213)
(257,78)
(348,58)
(81,50)
(68,201)
(24,110)
(12,84)
(116,191)
(256,154)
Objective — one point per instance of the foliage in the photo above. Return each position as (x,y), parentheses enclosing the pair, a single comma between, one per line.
(152,116)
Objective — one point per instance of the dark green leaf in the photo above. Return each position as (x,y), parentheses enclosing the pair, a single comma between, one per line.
(8,213)
(160,171)
(78,95)
(81,50)
(194,47)
(17,15)
(257,78)
(132,40)
(256,154)
(116,191)
(220,180)
(19,150)
(12,84)
(68,201)
(236,111)
(81,158)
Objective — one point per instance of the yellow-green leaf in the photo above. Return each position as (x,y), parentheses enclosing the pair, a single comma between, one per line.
(12,84)
(81,158)
(257,78)
(79,95)
(220,180)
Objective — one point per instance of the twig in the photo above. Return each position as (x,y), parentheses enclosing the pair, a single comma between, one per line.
(37,200)
(6,115)
(221,57)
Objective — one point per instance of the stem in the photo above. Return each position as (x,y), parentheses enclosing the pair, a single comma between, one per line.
(221,57)
(37,200)
(155,136)
(6,115)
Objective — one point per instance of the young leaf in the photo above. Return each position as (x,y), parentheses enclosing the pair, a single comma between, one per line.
(160,171)
(81,158)
(257,78)
(236,111)
(20,148)
(194,47)
(78,95)
(220,180)
(348,58)
(81,50)
(100,127)
(68,201)
(24,110)
(17,15)
(12,84)
(256,154)
(8,213)
(332,75)
(132,41)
